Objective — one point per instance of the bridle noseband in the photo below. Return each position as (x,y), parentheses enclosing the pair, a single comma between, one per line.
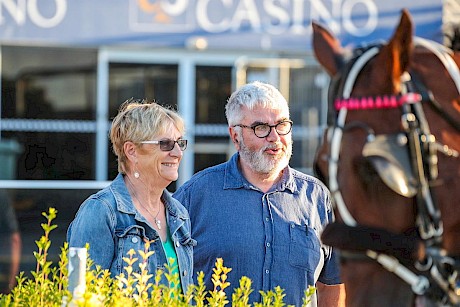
(438,269)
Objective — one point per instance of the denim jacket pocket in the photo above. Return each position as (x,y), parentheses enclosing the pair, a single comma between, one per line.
(304,247)
(132,237)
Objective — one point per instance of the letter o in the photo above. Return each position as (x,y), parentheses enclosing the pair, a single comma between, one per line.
(348,22)
(39,20)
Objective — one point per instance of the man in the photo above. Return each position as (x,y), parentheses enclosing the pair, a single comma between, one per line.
(258,214)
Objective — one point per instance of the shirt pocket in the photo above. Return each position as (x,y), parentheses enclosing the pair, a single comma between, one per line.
(129,238)
(304,247)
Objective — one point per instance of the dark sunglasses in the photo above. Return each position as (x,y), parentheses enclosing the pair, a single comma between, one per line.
(168,145)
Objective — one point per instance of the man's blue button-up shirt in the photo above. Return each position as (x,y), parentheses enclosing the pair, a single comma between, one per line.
(272,237)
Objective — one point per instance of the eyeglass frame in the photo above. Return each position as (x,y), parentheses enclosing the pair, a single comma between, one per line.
(253,127)
(162,142)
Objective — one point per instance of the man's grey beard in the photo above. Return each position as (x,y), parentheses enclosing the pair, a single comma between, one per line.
(262,164)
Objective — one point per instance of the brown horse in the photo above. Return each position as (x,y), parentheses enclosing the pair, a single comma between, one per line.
(390,156)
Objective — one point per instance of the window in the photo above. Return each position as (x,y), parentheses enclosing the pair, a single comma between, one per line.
(48,83)
(48,109)
(213,88)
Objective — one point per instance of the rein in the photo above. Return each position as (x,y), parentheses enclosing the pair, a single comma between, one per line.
(422,149)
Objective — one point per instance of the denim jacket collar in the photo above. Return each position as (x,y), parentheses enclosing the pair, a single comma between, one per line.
(125,204)
(234,179)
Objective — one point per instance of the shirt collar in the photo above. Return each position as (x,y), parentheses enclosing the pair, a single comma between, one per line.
(234,179)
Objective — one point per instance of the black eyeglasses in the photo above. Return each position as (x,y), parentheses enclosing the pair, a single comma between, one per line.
(168,145)
(263,130)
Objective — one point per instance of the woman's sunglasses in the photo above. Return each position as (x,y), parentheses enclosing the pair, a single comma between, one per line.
(168,145)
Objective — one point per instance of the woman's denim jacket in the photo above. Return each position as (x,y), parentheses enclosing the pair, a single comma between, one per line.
(110,223)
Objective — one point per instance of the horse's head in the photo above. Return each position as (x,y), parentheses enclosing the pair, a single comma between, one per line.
(390,159)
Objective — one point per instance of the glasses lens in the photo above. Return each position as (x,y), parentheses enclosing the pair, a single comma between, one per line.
(262,130)
(182,144)
(283,128)
(167,145)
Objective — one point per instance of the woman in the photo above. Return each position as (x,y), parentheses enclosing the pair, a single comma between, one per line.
(136,207)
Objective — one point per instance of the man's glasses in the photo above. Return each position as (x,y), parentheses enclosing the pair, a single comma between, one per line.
(168,145)
(263,130)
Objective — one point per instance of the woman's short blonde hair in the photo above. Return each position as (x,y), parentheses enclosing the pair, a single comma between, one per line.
(141,120)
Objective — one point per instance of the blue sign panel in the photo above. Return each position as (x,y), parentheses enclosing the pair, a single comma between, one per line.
(280,25)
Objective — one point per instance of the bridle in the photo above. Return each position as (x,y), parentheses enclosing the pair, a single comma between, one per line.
(437,269)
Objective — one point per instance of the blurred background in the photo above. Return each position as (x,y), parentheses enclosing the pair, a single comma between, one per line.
(66,66)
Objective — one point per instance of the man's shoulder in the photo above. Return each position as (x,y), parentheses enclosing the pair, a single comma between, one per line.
(307,179)
(204,176)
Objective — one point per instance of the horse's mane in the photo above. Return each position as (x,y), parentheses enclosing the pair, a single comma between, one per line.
(452,37)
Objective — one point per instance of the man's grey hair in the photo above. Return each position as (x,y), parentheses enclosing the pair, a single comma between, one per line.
(250,95)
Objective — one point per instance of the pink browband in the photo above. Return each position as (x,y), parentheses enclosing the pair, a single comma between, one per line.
(379,102)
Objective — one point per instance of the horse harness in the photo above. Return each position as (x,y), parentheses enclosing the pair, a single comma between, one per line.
(406,162)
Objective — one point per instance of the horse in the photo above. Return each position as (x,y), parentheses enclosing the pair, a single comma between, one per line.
(390,157)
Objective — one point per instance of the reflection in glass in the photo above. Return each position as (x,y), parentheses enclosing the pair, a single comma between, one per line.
(48,83)
(57,156)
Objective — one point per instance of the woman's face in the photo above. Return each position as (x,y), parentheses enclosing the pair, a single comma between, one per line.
(158,167)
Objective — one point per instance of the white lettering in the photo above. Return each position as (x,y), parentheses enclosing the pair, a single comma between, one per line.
(278,13)
(320,12)
(246,10)
(298,16)
(282,16)
(24,8)
(372,17)
(205,23)
(18,12)
(39,20)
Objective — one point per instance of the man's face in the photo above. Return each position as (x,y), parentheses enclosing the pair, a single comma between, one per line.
(266,155)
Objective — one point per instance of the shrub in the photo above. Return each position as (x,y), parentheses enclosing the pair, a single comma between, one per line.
(49,284)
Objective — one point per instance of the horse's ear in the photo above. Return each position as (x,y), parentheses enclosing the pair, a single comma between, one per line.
(396,54)
(402,41)
(327,48)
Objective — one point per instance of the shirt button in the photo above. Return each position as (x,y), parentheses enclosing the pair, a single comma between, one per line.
(267,271)
(177,244)
(134,240)
(267,219)
(268,244)
(292,225)
(185,273)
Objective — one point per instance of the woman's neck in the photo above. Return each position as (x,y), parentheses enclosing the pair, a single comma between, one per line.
(144,193)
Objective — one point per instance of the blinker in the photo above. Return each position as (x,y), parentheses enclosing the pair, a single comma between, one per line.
(390,158)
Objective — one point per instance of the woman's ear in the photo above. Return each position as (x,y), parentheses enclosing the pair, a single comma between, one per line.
(130,151)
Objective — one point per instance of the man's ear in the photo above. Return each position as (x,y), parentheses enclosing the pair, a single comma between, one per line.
(234,136)
(130,151)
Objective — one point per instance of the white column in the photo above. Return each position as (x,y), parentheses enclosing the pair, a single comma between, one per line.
(186,108)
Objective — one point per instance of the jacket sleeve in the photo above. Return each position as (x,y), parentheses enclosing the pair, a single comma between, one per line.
(94,225)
